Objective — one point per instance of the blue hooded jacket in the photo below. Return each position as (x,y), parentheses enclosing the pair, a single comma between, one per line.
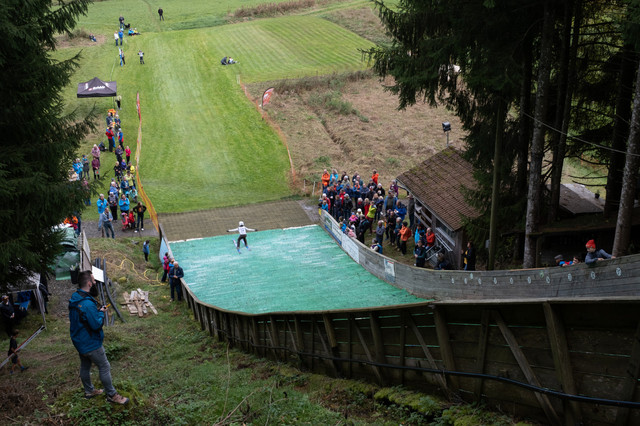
(85,322)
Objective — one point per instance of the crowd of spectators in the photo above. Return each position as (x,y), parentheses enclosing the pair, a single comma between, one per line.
(360,207)
(122,194)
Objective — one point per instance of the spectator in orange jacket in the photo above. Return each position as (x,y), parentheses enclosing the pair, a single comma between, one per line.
(72,220)
(374,177)
(325,179)
(405,234)
(431,238)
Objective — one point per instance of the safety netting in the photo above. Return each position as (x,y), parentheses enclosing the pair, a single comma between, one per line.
(284,270)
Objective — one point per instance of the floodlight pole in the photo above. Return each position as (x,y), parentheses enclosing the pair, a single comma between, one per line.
(446,127)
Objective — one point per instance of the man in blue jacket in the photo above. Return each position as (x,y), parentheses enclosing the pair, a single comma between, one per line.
(175,274)
(86,318)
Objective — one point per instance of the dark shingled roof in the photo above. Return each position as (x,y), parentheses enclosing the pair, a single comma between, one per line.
(437,183)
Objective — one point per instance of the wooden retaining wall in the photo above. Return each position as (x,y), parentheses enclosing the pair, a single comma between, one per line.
(583,348)
(490,337)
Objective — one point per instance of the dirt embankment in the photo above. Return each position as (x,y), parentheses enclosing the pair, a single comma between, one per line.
(373,135)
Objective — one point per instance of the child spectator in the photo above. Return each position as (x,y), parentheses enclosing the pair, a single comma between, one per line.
(165,266)
(420,254)
(145,250)
(141,54)
(95,165)
(13,350)
(442,264)
(376,246)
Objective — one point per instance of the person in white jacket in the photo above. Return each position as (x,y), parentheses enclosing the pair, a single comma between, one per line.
(242,230)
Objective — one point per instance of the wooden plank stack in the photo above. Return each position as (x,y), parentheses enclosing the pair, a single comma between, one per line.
(137,302)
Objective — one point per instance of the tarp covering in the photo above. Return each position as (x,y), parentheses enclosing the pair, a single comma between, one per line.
(71,256)
(97,88)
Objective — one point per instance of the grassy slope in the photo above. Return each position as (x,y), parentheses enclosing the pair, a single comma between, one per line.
(202,139)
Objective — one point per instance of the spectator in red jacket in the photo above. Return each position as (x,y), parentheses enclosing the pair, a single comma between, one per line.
(110,135)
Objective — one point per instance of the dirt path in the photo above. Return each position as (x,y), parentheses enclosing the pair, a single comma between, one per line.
(207,223)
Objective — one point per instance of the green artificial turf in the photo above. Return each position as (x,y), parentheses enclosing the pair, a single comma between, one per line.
(204,144)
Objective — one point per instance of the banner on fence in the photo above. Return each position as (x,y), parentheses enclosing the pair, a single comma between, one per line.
(351,248)
(266,96)
(389,271)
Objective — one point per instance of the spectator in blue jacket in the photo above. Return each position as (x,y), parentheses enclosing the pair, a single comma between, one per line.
(86,318)
(102,204)
(145,250)
(175,274)
(124,204)
(401,210)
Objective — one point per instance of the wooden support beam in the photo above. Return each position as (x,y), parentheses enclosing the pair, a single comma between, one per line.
(631,381)
(331,335)
(215,323)
(562,361)
(253,331)
(227,327)
(239,334)
(313,342)
(482,352)
(365,347)
(403,342)
(522,361)
(376,333)
(275,340)
(327,351)
(349,347)
(333,344)
(207,319)
(294,342)
(427,353)
(299,340)
(444,341)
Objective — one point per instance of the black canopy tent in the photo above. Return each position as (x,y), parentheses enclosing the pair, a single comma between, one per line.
(97,88)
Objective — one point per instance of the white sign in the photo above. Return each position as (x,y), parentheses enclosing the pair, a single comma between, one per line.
(98,274)
(351,248)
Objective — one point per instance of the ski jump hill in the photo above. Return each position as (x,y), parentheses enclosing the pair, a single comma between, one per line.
(554,344)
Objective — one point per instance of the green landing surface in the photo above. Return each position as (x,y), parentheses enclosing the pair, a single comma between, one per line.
(295,269)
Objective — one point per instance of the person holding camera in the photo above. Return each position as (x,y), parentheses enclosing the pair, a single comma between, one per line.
(86,317)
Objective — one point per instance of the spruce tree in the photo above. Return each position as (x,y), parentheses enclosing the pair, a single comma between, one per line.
(38,141)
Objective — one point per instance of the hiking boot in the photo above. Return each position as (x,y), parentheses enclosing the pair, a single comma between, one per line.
(93,393)
(23,368)
(118,399)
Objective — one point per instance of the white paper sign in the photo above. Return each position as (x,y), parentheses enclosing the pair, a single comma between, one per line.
(98,274)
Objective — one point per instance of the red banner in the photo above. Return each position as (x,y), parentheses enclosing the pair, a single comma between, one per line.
(138,105)
(266,97)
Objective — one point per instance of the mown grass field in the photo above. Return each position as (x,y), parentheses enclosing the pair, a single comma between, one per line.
(204,145)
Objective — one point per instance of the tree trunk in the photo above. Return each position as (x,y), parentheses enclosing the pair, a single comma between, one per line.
(620,130)
(558,139)
(524,131)
(629,181)
(534,194)
(495,190)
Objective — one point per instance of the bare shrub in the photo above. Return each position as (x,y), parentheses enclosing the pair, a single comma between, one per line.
(271,9)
